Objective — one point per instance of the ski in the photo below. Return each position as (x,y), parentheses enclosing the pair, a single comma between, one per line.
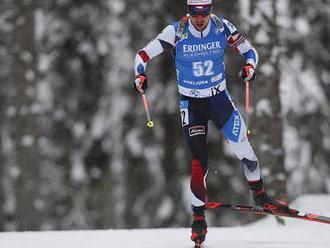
(292,213)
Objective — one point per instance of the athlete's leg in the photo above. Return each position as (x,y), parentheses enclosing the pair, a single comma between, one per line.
(234,130)
(236,134)
(194,124)
(229,121)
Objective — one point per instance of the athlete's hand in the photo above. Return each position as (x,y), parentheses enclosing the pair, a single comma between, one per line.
(141,83)
(248,73)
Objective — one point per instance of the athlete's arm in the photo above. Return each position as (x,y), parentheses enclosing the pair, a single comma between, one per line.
(240,44)
(165,40)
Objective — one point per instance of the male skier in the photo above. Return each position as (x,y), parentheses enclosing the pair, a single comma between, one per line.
(199,41)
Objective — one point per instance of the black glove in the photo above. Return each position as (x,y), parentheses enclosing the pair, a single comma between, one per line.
(141,83)
(248,73)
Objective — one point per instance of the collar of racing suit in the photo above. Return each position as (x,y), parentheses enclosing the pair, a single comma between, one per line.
(199,34)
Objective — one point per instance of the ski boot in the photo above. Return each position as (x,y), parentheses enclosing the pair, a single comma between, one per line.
(261,200)
(198,227)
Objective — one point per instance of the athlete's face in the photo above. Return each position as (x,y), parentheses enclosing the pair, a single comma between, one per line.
(200,21)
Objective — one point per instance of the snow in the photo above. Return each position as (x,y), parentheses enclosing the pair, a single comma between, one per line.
(267,69)
(78,173)
(302,26)
(166,208)
(304,95)
(263,234)
(262,37)
(174,238)
(27,140)
(264,107)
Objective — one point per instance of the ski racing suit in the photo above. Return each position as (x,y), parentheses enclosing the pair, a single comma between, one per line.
(201,80)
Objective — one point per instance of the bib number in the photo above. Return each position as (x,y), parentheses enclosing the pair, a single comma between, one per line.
(184,113)
(184,117)
(203,68)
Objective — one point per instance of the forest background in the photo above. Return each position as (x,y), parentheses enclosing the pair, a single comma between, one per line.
(75,152)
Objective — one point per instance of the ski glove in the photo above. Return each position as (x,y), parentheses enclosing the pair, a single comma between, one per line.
(141,83)
(248,73)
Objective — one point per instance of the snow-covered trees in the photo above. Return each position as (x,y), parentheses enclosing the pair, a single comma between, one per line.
(261,17)
(305,85)
(75,152)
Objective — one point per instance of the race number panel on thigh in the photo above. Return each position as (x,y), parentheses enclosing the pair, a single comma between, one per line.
(184,112)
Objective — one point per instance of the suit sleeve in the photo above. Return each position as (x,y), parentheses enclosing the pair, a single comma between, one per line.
(165,40)
(236,41)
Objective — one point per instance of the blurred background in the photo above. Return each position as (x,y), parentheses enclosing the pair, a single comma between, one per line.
(75,152)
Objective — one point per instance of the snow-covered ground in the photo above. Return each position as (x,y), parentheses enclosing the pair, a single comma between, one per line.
(263,234)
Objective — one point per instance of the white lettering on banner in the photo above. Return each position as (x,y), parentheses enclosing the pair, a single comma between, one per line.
(196,82)
(201,47)
(237,121)
(216,78)
(199,2)
(196,130)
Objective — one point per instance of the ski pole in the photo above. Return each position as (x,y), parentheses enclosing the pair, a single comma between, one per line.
(247,105)
(150,122)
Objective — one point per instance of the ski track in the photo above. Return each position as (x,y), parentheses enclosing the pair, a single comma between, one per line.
(265,233)
(238,237)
